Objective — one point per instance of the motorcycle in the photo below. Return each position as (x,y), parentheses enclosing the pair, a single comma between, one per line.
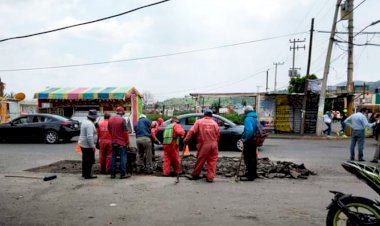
(346,209)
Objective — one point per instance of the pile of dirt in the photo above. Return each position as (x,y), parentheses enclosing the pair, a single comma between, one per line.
(226,167)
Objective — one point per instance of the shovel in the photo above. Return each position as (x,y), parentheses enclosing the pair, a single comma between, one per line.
(238,168)
(47,178)
(185,151)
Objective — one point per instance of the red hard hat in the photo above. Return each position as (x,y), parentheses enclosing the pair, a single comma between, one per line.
(120,109)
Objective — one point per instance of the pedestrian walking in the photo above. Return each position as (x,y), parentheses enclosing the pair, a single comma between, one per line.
(207,133)
(105,144)
(327,119)
(249,150)
(342,131)
(172,134)
(144,145)
(86,141)
(376,129)
(117,126)
(358,122)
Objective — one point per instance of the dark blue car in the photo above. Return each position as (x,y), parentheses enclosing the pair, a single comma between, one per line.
(39,127)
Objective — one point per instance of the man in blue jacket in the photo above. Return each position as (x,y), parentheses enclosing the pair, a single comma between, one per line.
(144,145)
(249,151)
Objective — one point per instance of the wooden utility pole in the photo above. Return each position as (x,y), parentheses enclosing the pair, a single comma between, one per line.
(303,113)
(350,62)
(322,95)
(294,48)
(275,75)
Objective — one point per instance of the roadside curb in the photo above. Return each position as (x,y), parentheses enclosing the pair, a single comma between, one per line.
(305,137)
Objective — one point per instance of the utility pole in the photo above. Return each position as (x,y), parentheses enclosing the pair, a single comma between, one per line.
(322,96)
(294,48)
(350,62)
(275,74)
(266,87)
(303,111)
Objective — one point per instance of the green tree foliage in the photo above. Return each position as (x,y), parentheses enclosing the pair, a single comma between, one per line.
(297,85)
(234,117)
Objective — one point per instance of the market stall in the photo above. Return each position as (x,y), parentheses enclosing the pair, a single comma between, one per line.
(67,101)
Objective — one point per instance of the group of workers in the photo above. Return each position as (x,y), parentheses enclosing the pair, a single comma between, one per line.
(113,137)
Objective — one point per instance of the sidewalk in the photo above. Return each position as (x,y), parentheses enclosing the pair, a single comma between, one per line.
(305,136)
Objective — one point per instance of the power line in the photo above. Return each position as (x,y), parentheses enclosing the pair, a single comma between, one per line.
(356,33)
(84,23)
(216,85)
(358,44)
(369,25)
(150,57)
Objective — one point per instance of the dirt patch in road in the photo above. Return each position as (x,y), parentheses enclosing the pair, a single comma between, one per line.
(226,167)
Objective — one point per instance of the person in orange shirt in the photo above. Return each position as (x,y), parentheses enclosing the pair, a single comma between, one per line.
(153,131)
(105,145)
(207,132)
(171,136)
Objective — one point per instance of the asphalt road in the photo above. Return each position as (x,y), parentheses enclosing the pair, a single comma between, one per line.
(148,200)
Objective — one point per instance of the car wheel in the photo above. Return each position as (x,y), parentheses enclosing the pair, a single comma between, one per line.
(51,137)
(239,145)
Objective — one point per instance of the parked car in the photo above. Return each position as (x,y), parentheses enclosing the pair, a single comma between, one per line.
(230,133)
(45,127)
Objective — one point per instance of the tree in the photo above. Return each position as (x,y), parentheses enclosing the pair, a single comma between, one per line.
(2,88)
(148,98)
(297,85)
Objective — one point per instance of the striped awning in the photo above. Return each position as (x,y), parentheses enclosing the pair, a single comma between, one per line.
(87,93)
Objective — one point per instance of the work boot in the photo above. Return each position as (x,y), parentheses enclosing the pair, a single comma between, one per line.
(247,179)
(124,176)
(191,177)
(90,177)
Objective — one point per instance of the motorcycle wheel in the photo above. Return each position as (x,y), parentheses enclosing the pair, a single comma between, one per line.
(366,208)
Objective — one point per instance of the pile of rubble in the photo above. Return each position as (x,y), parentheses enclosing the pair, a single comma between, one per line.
(227,167)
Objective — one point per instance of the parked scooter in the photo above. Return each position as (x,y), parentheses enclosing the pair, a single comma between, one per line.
(346,209)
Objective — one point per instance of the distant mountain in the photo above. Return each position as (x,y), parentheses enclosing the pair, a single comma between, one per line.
(372,85)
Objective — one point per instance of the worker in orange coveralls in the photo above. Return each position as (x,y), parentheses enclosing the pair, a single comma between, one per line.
(207,131)
(154,127)
(172,133)
(105,145)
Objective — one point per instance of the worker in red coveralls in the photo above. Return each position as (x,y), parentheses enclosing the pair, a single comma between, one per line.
(207,132)
(171,136)
(153,131)
(117,126)
(105,145)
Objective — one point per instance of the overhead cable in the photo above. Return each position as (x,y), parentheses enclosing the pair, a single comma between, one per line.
(369,25)
(346,32)
(151,57)
(84,23)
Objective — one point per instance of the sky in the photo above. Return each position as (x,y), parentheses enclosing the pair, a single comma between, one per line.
(158,48)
